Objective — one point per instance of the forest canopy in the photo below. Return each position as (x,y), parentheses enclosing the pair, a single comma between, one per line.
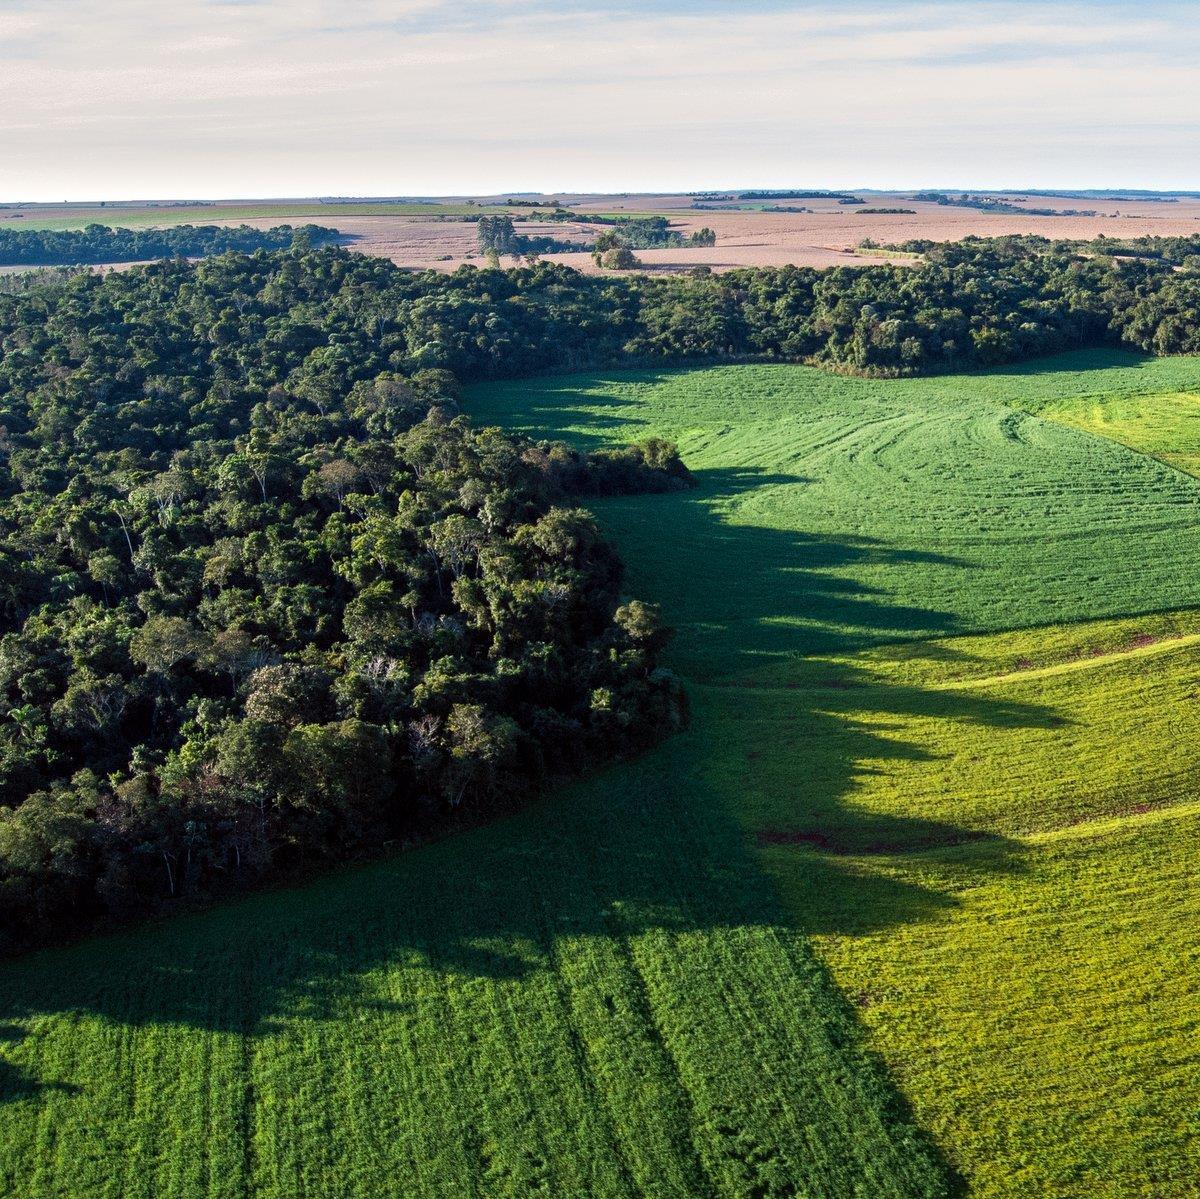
(267,599)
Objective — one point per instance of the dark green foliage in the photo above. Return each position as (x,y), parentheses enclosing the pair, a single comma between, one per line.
(267,599)
(638,233)
(496,234)
(617,258)
(264,601)
(786,194)
(99,243)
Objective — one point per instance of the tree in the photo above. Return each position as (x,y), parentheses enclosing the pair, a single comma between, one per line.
(481,745)
(619,258)
(163,642)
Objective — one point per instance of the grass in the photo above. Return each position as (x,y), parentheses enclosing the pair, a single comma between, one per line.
(602,997)
(911,902)
(1001,883)
(836,511)
(1165,426)
(1045,1022)
(985,832)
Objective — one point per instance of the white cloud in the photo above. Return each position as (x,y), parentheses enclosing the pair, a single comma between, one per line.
(236,97)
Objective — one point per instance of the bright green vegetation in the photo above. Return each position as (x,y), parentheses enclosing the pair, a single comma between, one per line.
(1165,426)
(1045,1023)
(1041,1015)
(933,806)
(835,513)
(987,836)
(601,997)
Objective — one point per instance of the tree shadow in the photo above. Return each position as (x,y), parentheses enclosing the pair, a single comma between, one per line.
(556,404)
(667,848)
(740,595)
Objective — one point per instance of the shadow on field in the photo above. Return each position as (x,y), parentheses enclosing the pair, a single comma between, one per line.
(554,405)
(741,594)
(665,849)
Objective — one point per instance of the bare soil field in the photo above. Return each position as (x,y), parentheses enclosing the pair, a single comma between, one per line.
(441,234)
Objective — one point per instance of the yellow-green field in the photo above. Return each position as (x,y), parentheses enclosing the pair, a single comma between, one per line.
(909,911)
(1166,426)
(988,837)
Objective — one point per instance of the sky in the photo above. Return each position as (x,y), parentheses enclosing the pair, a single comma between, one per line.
(203,99)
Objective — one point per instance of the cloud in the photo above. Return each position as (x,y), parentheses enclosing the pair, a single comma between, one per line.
(261,97)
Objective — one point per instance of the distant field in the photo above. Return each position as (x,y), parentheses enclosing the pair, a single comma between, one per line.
(828,235)
(911,903)
(133,218)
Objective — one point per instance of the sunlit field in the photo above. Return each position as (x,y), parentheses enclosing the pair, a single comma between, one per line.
(909,909)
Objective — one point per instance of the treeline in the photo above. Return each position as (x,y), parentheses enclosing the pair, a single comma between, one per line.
(645,233)
(267,600)
(979,302)
(100,244)
(786,194)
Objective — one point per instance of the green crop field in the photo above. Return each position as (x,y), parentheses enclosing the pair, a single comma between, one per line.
(837,513)
(986,833)
(909,909)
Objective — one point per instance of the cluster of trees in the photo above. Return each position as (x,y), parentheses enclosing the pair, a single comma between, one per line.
(645,233)
(267,599)
(99,243)
(791,194)
(498,237)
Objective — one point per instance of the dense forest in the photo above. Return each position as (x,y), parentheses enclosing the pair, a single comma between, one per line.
(979,302)
(101,244)
(266,598)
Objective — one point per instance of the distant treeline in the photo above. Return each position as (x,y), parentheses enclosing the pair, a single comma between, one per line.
(100,243)
(977,302)
(999,205)
(785,194)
